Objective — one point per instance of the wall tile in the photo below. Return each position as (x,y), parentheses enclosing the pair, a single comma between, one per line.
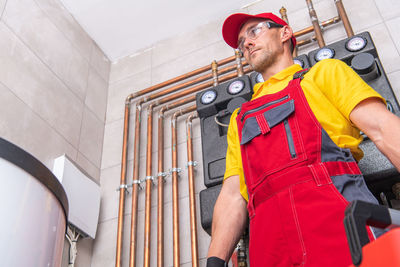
(33,83)
(112,146)
(362,14)
(394,79)
(66,24)
(17,120)
(2,5)
(129,66)
(91,139)
(386,48)
(100,62)
(96,95)
(89,167)
(119,91)
(394,31)
(201,57)
(186,43)
(85,249)
(104,247)
(24,17)
(388,8)
(110,181)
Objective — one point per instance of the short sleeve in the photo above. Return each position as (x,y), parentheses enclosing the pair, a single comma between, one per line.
(233,155)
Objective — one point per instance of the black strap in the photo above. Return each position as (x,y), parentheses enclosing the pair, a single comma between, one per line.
(300,74)
(216,262)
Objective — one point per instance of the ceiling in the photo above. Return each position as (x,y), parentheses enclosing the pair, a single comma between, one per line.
(122,27)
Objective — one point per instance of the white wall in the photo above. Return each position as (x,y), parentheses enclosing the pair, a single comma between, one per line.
(186,52)
(53,88)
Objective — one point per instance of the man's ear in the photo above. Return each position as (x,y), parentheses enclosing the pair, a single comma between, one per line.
(286,33)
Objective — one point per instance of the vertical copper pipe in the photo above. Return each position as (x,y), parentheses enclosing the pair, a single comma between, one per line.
(175,193)
(345,19)
(135,187)
(192,198)
(149,183)
(239,65)
(214,68)
(315,23)
(122,187)
(160,190)
(283,13)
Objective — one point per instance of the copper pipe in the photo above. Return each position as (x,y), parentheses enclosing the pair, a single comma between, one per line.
(160,191)
(306,41)
(175,193)
(315,23)
(192,198)
(345,19)
(198,88)
(122,187)
(283,13)
(135,187)
(136,181)
(324,24)
(149,182)
(214,68)
(239,65)
(136,142)
(161,175)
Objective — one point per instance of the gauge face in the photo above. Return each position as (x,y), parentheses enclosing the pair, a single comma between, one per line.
(324,53)
(236,87)
(356,43)
(208,97)
(298,62)
(259,78)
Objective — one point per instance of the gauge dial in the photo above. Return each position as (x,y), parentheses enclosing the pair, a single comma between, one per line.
(259,78)
(356,43)
(208,97)
(236,87)
(324,53)
(298,62)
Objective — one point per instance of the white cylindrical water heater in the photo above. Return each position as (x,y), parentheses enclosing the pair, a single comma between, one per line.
(33,210)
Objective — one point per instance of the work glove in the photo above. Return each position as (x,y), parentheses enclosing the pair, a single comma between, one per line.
(216,262)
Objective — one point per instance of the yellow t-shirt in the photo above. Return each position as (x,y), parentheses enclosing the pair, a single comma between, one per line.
(332,90)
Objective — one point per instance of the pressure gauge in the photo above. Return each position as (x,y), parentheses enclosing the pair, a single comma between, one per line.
(259,78)
(298,62)
(236,87)
(208,97)
(356,43)
(324,53)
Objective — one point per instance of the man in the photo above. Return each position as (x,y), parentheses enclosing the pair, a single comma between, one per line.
(291,152)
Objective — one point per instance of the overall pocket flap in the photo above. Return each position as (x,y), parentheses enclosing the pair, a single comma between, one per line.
(273,116)
(250,130)
(279,113)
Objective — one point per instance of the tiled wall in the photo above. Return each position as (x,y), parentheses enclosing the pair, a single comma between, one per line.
(189,51)
(53,88)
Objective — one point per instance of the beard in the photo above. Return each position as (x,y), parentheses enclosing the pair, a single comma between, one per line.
(263,60)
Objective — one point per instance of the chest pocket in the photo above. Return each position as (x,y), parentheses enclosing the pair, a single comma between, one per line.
(271,140)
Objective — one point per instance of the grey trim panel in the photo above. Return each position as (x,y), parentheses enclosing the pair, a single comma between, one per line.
(273,116)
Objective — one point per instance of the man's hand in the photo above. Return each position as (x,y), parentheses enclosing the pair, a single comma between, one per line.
(229,220)
(383,127)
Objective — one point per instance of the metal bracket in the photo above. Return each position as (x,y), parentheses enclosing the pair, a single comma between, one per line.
(191,163)
(163,175)
(177,170)
(124,186)
(138,182)
(149,178)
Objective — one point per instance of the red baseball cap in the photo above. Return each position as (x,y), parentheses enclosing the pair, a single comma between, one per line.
(233,24)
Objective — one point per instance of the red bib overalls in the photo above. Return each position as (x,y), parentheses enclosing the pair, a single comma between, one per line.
(299,183)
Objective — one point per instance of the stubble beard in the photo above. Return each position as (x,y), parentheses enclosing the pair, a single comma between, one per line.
(263,61)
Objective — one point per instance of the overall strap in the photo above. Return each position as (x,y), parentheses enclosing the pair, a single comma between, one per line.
(300,74)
